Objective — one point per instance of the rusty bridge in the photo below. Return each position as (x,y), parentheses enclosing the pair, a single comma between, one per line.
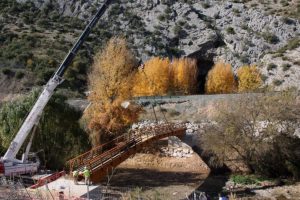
(102,159)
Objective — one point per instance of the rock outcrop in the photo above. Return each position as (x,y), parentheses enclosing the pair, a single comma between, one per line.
(208,31)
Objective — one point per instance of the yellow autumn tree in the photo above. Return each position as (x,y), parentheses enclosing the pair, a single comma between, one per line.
(249,78)
(110,83)
(153,78)
(184,73)
(220,79)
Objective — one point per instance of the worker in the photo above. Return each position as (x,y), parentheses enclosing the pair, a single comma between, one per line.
(75,176)
(86,174)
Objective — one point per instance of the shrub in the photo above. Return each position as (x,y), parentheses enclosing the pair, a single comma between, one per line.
(249,78)
(230,30)
(271,66)
(205,5)
(161,17)
(264,77)
(292,44)
(277,82)
(238,136)
(20,74)
(7,72)
(270,38)
(220,79)
(168,10)
(244,179)
(287,20)
(286,66)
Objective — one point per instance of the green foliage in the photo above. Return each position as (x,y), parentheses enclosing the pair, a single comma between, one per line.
(19,74)
(286,67)
(161,17)
(247,179)
(230,30)
(292,44)
(288,20)
(205,5)
(271,66)
(7,72)
(270,38)
(277,82)
(244,180)
(58,132)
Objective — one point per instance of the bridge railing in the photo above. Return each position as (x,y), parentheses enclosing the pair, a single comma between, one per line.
(99,155)
(82,159)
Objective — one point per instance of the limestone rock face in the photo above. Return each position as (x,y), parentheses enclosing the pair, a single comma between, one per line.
(233,32)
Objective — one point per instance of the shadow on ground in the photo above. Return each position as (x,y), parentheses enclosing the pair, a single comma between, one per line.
(153,178)
(168,185)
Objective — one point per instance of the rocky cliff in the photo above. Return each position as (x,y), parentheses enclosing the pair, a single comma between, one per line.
(238,32)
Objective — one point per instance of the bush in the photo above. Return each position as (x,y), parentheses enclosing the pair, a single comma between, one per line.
(161,17)
(292,44)
(244,179)
(270,38)
(287,20)
(230,30)
(271,66)
(286,67)
(20,75)
(7,72)
(241,136)
(277,82)
(205,5)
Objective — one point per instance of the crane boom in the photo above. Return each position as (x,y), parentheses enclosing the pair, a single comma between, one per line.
(35,113)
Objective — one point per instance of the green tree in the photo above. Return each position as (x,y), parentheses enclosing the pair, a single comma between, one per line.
(58,133)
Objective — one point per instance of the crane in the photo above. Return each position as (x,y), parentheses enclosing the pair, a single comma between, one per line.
(9,164)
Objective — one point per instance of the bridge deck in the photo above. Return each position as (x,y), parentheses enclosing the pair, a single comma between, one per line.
(101,160)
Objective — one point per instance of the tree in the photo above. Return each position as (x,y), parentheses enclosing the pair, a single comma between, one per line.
(184,74)
(160,76)
(220,79)
(249,78)
(110,83)
(258,131)
(58,131)
(154,78)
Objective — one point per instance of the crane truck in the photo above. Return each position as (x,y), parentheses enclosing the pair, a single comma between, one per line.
(9,164)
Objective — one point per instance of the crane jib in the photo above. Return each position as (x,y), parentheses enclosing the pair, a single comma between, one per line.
(69,58)
(35,113)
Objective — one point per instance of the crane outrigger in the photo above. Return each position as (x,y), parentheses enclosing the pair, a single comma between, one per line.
(9,164)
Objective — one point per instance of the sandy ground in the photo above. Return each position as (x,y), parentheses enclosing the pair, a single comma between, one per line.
(147,175)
